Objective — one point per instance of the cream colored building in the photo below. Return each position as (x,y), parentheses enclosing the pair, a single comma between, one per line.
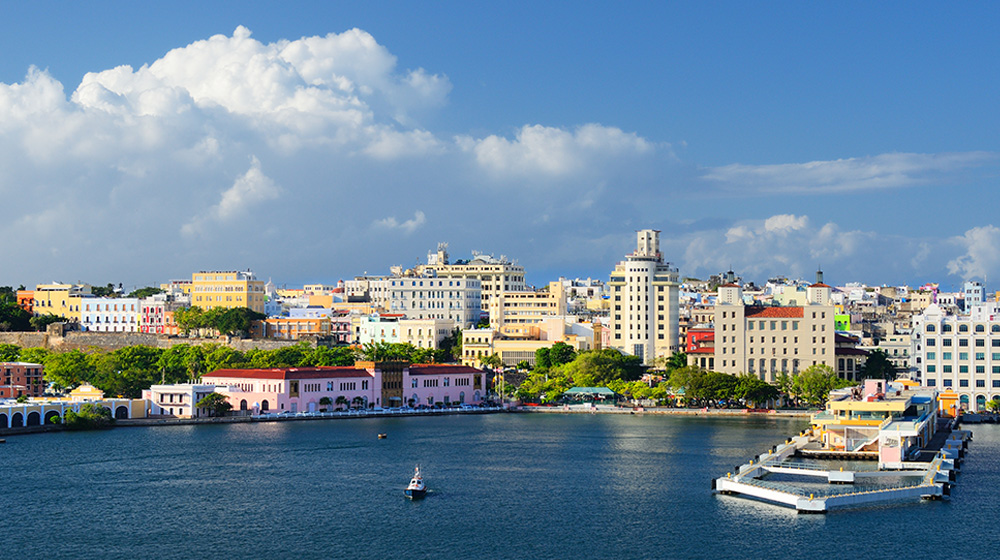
(515,343)
(227,289)
(495,275)
(644,301)
(767,341)
(527,307)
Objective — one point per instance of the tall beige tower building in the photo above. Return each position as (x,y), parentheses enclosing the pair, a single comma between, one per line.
(644,301)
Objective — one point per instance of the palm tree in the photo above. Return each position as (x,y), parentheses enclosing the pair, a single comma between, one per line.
(341,400)
(357,402)
(325,402)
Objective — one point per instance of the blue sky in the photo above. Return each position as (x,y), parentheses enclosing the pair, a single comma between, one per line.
(768,138)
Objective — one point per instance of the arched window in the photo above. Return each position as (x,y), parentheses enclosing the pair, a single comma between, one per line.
(980,328)
(946,328)
(931,328)
(963,328)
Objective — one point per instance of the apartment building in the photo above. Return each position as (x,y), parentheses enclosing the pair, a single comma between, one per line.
(21,379)
(62,300)
(959,352)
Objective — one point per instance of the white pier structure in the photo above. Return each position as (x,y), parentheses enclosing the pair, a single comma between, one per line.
(929,480)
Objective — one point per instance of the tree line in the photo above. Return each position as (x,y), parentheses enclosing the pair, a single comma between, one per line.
(559,369)
(128,371)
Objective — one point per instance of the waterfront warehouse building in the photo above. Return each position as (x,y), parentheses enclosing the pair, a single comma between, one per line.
(644,301)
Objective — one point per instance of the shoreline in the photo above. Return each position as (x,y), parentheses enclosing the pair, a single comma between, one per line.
(608,409)
(570,409)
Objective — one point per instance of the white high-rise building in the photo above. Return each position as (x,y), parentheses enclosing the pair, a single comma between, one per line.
(644,301)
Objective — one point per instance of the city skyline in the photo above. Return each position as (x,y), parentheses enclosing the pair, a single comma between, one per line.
(318,142)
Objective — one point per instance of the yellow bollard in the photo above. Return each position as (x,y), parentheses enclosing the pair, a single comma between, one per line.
(810,496)
(841,469)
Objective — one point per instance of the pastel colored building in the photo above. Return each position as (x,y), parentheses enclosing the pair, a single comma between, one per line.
(157,313)
(894,419)
(298,389)
(110,314)
(178,400)
(62,300)
(21,379)
(26,300)
(41,411)
(364,385)
(227,289)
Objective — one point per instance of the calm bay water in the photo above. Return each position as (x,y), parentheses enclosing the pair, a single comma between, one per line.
(502,486)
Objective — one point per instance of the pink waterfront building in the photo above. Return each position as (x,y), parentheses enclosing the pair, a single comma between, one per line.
(298,389)
(364,385)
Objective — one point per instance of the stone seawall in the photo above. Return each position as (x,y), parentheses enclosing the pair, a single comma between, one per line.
(58,341)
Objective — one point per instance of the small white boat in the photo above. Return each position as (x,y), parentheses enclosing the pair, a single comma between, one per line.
(416,489)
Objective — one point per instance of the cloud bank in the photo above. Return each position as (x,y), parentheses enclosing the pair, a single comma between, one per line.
(318,158)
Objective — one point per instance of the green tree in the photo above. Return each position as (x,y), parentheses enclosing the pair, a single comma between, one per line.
(451,345)
(67,370)
(493,361)
(878,366)
(754,391)
(12,317)
(327,356)
(9,352)
(325,402)
(42,322)
(104,291)
(91,417)
(216,403)
(542,360)
(815,383)
(561,353)
(236,321)
(145,292)
(34,355)
(171,364)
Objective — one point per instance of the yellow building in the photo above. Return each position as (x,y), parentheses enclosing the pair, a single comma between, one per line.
(62,300)
(227,289)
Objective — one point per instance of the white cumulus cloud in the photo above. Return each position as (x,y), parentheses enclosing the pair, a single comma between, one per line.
(555,152)
(982,253)
(407,227)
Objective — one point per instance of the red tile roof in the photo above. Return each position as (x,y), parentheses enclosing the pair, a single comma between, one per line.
(774,313)
(291,373)
(819,285)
